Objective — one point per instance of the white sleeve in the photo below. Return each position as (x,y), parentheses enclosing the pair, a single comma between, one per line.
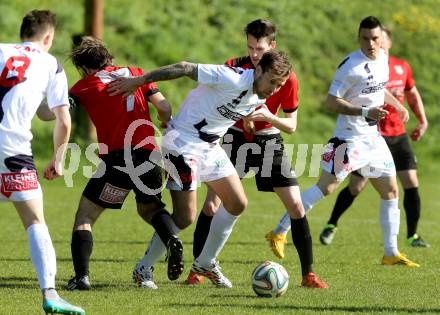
(219,75)
(342,81)
(57,92)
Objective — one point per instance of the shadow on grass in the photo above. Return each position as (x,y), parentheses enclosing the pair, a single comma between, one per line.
(293,308)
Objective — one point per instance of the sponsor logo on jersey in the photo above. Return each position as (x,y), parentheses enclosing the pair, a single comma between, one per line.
(113,194)
(18,181)
(398,69)
(374,88)
(229,114)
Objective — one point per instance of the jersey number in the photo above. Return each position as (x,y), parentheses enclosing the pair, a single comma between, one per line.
(12,74)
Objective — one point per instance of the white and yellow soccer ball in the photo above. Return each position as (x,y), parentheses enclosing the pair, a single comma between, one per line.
(270,279)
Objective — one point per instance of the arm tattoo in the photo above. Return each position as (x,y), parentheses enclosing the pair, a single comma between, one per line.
(171,72)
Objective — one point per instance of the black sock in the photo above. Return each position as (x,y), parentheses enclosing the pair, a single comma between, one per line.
(162,223)
(343,202)
(411,203)
(81,248)
(303,243)
(201,233)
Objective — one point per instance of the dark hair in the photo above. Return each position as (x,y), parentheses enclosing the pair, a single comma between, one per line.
(261,28)
(36,23)
(369,22)
(277,62)
(90,53)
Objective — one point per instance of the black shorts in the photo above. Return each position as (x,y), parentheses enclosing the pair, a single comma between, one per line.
(264,155)
(111,189)
(402,152)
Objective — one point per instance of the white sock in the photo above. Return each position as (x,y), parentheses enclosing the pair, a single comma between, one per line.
(284,225)
(311,196)
(390,221)
(43,255)
(156,249)
(221,227)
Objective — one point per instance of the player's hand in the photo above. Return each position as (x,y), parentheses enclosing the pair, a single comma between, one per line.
(53,170)
(419,131)
(124,86)
(377,113)
(261,114)
(248,126)
(403,114)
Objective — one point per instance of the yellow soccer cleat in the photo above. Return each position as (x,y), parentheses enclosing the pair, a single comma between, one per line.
(276,243)
(400,259)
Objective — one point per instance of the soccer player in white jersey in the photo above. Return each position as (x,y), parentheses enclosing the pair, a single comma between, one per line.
(28,74)
(192,147)
(357,94)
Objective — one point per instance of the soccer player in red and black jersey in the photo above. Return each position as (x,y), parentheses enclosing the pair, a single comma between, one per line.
(260,132)
(401,84)
(126,137)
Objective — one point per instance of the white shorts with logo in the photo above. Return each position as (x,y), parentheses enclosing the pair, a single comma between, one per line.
(190,161)
(18,178)
(369,155)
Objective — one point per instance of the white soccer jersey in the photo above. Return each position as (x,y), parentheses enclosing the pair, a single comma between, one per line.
(27,75)
(224,95)
(360,81)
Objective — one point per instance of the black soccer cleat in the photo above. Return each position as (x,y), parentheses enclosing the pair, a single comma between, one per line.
(174,257)
(81,283)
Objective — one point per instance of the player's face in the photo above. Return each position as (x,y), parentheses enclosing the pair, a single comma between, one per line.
(257,47)
(370,41)
(266,84)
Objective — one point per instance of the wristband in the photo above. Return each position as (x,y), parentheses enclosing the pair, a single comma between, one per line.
(365,111)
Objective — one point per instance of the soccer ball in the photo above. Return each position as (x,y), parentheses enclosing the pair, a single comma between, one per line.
(270,279)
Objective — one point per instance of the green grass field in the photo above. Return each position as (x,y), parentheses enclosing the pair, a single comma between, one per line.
(358,283)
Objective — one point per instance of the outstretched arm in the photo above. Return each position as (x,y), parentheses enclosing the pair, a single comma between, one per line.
(127,86)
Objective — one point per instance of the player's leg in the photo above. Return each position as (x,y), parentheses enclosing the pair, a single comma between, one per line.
(387,188)
(82,242)
(43,255)
(234,201)
(201,231)
(302,240)
(343,202)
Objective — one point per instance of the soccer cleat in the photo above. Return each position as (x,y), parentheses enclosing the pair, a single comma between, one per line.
(310,280)
(417,241)
(53,304)
(194,279)
(143,277)
(174,257)
(327,234)
(213,273)
(276,243)
(81,283)
(400,259)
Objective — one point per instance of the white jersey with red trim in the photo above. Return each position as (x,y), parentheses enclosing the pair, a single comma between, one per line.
(27,75)
(224,95)
(360,81)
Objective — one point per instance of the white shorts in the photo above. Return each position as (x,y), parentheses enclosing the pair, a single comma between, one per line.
(190,161)
(370,156)
(18,178)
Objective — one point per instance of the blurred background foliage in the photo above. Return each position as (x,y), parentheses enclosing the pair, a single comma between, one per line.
(317,34)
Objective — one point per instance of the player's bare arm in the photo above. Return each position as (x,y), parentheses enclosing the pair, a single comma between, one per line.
(401,110)
(44,113)
(61,134)
(416,104)
(286,124)
(127,86)
(341,106)
(162,106)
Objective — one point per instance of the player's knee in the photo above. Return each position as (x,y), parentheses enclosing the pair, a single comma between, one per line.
(210,208)
(184,220)
(355,190)
(236,206)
